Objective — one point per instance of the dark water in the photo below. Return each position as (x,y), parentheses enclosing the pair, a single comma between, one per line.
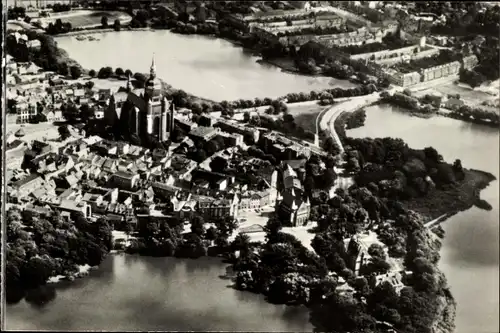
(470,252)
(142,293)
(204,66)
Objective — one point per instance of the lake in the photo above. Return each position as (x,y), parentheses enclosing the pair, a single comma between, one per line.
(203,66)
(136,293)
(470,251)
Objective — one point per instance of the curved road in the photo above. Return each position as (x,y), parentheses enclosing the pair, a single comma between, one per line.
(328,121)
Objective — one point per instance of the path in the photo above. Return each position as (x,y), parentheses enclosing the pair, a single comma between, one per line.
(435,222)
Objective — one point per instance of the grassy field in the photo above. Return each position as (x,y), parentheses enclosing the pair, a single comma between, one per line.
(305,114)
(87,18)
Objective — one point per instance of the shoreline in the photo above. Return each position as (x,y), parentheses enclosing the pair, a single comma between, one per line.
(440,113)
(466,196)
(83,270)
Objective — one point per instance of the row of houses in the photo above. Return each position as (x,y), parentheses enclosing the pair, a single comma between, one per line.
(428,74)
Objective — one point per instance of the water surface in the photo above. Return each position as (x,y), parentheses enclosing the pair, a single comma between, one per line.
(136,293)
(204,66)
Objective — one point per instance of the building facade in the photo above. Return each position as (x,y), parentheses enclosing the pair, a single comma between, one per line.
(142,112)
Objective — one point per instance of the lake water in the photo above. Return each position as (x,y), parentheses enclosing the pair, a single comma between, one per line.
(470,251)
(204,66)
(136,293)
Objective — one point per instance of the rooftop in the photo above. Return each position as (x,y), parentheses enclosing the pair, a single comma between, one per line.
(202,131)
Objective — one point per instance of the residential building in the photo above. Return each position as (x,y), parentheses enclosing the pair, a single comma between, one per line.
(28,184)
(72,206)
(211,208)
(125,180)
(202,133)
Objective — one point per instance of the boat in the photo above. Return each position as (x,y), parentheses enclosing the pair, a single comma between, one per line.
(81,38)
(91,38)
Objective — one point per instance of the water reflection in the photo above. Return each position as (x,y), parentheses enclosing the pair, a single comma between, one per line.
(40,297)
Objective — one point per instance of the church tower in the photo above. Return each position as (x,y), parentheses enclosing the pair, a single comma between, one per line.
(152,87)
(129,83)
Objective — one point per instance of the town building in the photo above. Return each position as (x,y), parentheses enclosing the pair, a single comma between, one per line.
(294,207)
(203,134)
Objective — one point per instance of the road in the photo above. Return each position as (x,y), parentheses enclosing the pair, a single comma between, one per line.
(328,120)
(327,123)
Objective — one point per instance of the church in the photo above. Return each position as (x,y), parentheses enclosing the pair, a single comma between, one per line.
(145,113)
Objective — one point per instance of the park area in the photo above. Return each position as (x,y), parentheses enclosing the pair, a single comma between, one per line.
(86,18)
(306,113)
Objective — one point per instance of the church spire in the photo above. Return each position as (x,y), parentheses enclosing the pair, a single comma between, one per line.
(129,83)
(152,70)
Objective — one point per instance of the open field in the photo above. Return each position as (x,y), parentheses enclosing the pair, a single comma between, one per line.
(470,96)
(88,18)
(307,121)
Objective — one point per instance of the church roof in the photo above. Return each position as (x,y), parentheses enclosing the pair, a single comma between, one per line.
(137,101)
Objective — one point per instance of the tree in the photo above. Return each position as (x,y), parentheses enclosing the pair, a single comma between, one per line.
(75,72)
(246,116)
(211,234)
(196,108)
(64,132)
(105,73)
(197,226)
(241,243)
(63,69)
(104,22)
(86,112)
(92,73)
(273,226)
(117,25)
(70,112)
(89,85)
(119,71)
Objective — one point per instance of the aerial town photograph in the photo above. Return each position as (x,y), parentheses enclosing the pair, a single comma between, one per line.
(251,166)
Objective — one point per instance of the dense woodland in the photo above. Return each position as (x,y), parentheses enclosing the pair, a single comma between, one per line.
(41,246)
